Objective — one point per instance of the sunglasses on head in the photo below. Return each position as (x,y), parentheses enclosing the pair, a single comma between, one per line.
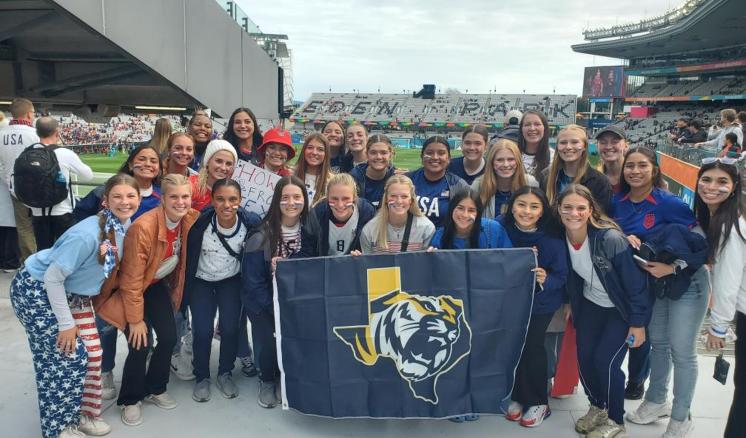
(724,160)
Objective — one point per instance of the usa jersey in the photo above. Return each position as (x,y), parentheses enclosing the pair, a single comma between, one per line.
(456,167)
(432,196)
(657,210)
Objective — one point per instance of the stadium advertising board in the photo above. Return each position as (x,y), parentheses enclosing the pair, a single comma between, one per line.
(681,177)
(605,81)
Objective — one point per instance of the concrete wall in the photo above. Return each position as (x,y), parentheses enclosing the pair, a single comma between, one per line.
(193,44)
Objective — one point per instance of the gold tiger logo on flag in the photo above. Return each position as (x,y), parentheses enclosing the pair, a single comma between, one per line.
(419,333)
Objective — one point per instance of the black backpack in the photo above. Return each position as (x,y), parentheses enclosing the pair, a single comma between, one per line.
(37,178)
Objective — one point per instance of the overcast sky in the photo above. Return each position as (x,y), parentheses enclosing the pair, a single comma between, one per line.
(474,45)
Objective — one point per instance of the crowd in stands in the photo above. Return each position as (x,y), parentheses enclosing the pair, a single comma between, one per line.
(123,128)
(679,123)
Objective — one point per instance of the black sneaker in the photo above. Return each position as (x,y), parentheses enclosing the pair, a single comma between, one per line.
(634,391)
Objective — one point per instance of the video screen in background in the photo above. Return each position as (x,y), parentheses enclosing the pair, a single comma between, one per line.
(606,81)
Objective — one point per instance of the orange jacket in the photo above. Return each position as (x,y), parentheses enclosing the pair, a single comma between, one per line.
(121,298)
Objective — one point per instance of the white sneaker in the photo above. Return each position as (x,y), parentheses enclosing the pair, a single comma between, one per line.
(515,411)
(93,426)
(132,414)
(535,415)
(163,400)
(679,429)
(108,390)
(71,432)
(649,412)
(181,369)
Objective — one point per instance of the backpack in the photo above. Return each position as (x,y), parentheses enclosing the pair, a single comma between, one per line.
(37,178)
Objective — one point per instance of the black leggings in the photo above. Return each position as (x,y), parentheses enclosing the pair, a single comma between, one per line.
(531,376)
(136,382)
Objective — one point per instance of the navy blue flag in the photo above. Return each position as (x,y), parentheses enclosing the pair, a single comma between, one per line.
(412,335)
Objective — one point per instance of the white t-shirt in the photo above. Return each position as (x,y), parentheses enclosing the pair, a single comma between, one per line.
(729,279)
(310,186)
(69,163)
(340,238)
(215,262)
(290,240)
(593,289)
(529,161)
(13,140)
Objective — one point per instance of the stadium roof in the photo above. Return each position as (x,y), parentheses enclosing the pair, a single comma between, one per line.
(99,55)
(712,24)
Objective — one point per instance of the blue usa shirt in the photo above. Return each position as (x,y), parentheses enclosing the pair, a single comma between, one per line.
(658,209)
(432,196)
(456,167)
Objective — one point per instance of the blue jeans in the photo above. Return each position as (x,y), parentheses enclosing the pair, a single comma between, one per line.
(207,297)
(601,335)
(182,327)
(673,336)
(108,335)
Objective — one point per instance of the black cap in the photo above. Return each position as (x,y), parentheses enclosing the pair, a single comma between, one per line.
(614,129)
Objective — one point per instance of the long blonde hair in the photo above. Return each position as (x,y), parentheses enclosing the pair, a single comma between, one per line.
(598,218)
(558,163)
(161,135)
(488,187)
(301,166)
(383,210)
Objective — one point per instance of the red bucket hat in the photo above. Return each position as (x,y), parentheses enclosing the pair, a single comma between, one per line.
(279,136)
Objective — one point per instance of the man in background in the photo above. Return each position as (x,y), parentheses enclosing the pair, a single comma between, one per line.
(49,225)
(14,138)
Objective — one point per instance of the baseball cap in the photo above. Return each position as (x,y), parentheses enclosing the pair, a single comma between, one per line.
(614,129)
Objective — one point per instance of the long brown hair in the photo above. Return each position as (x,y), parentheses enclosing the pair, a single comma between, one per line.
(488,186)
(558,162)
(718,226)
(301,167)
(170,143)
(116,180)
(542,152)
(272,223)
(652,158)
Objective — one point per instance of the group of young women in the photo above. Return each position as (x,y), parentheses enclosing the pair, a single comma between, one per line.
(167,238)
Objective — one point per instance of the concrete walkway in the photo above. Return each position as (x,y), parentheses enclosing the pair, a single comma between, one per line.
(243,417)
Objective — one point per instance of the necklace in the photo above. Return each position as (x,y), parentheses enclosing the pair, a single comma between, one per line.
(397,231)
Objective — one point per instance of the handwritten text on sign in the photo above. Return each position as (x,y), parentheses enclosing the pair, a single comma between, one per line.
(257,186)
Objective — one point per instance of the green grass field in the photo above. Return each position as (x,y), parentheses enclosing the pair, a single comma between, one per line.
(405,158)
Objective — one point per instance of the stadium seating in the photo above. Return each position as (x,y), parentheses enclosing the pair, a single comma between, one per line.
(444,108)
(716,86)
